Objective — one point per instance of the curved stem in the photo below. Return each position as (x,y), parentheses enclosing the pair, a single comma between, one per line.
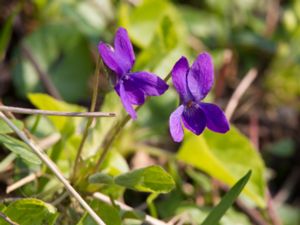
(90,120)
(114,132)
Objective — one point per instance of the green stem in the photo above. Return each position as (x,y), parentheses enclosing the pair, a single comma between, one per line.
(90,120)
(114,132)
(36,123)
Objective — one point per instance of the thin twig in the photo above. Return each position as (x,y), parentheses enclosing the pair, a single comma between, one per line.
(53,168)
(240,90)
(48,141)
(60,199)
(44,77)
(106,199)
(89,122)
(271,210)
(55,113)
(252,214)
(7,219)
(31,177)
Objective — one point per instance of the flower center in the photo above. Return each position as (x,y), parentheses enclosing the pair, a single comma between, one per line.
(189,104)
(126,77)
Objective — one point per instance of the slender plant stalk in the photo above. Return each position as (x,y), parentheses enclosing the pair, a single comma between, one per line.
(7,219)
(55,113)
(114,132)
(51,165)
(90,120)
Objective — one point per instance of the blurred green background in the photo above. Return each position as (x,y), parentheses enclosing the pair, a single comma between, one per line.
(60,39)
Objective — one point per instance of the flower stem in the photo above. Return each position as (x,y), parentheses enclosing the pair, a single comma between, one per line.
(51,165)
(90,120)
(114,132)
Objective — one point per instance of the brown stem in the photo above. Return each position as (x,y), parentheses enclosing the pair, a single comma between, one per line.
(55,113)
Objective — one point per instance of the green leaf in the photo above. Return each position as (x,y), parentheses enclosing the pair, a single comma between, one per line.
(46,102)
(226,157)
(107,213)
(28,211)
(101,178)
(19,148)
(146,17)
(149,179)
(216,214)
(5,129)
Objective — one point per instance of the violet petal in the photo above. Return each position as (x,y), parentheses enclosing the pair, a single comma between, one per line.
(175,125)
(149,83)
(125,100)
(201,76)
(135,95)
(179,78)
(124,49)
(215,118)
(110,58)
(194,119)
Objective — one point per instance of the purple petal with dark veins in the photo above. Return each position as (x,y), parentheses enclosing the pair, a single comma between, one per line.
(215,118)
(175,125)
(149,83)
(124,49)
(194,119)
(125,100)
(201,76)
(179,78)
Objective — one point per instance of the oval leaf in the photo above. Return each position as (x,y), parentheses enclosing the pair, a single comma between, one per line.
(28,211)
(152,179)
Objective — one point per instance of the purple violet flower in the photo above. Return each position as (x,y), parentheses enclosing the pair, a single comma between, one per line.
(192,85)
(132,87)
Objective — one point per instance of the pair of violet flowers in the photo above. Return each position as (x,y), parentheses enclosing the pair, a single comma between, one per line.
(192,84)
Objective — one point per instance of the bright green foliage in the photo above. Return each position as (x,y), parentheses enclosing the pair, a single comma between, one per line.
(226,157)
(46,102)
(226,202)
(145,19)
(149,179)
(19,148)
(107,213)
(29,211)
(5,129)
